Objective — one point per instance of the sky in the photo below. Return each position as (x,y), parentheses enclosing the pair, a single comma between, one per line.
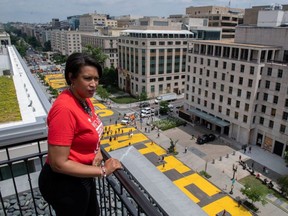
(42,11)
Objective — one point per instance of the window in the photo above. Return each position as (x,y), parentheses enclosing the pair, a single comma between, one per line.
(224,65)
(263,109)
(214,85)
(222,87)
(208,73)
(261,120)
(233,66)
(220,109)
(280,73)
(275,99)
(265,96)
(273,112)
(282,128)
(230,89)
(216,63)
(245,118)
(221,98)
(277,86)
(240,82)
(223,76)
(250,83)
(267,84)
(271,124)
(227,112)
(285,116)
(212,106)
(152,88)
(229,101)
(215,74)
(246,107)
(236,115)
(208,62)
(248,95)
(239,91)
(195,60)
(213,96)
(231,78)
(269,71)
(242,68)
(237,104)
(206,93)
(286,103)
(252,70)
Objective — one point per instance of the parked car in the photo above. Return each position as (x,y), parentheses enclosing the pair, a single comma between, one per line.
(144,104)
(205,138)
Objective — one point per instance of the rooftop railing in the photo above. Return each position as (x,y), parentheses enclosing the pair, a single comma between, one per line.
(20,163)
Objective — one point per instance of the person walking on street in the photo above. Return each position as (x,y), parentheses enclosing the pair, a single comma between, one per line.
(185,151)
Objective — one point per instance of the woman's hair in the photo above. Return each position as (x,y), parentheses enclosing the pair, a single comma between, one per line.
(76,62)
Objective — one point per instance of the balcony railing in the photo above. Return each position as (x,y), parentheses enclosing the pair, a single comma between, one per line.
(118,194)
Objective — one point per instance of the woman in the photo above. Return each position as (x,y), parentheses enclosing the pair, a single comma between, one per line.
(74,131)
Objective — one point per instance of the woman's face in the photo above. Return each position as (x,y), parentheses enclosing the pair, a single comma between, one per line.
(84,86)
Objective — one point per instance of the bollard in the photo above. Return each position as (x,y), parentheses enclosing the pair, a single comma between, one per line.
(233,152)
(220,159)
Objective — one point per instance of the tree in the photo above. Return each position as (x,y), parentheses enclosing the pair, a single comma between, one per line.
(47,46)
(109,77)
(283,182)
(172,148)
(164,107)
(255,192)
(143,96)
(102,92)
(97,54)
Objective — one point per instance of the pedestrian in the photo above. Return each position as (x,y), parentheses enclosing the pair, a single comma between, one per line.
(252,164)
(158,135)
(224,213)
(264,169)
(244,150)
(74,159)
(163,165)
(110,139)
(185,151)
(239,202)
(129,143)
(249,149)
(240,157)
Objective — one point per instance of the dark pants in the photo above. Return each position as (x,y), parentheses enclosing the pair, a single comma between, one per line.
(68,195)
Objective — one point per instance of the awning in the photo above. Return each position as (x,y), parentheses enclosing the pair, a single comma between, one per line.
(209,118)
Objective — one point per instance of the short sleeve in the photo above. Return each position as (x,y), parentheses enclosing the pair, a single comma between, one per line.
(61,126)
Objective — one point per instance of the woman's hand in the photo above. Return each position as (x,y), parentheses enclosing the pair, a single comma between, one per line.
(111,165)
(97,159)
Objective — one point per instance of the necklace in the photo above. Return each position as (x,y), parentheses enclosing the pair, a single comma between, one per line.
(83,104)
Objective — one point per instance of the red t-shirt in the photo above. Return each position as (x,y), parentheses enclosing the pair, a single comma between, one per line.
(70,125)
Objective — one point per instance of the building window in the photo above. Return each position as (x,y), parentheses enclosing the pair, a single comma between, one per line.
(252,70)
(236,115)
(208,73)
(282,128)
(250,83)
(224,65)
(208,62)
(228,112)
(229,101)
(286,103)
(212,106)
(273,112)
(240,82)
(214,85)
(245,118)
(231,78)
(275,99)
(239,91)
(280,73)
(237,104)
(220,109)
(223,76)
(271,124)
(216,63)
(269,71)
(267,84)
(246,107)
(285,116)
(213,96)
(152,88)
(261,120)
(221,98)
(248,95)
(230,89)
(263,109)
(215,74)
(265,96)
(242,68)
(222,87)
(277,86)
(195,60)
(233,67)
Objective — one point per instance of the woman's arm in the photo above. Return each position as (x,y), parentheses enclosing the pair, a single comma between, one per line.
(59,162)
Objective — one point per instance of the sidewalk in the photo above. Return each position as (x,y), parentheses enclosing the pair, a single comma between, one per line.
(221,171)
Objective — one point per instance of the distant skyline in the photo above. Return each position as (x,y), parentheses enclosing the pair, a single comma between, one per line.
(42,11)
